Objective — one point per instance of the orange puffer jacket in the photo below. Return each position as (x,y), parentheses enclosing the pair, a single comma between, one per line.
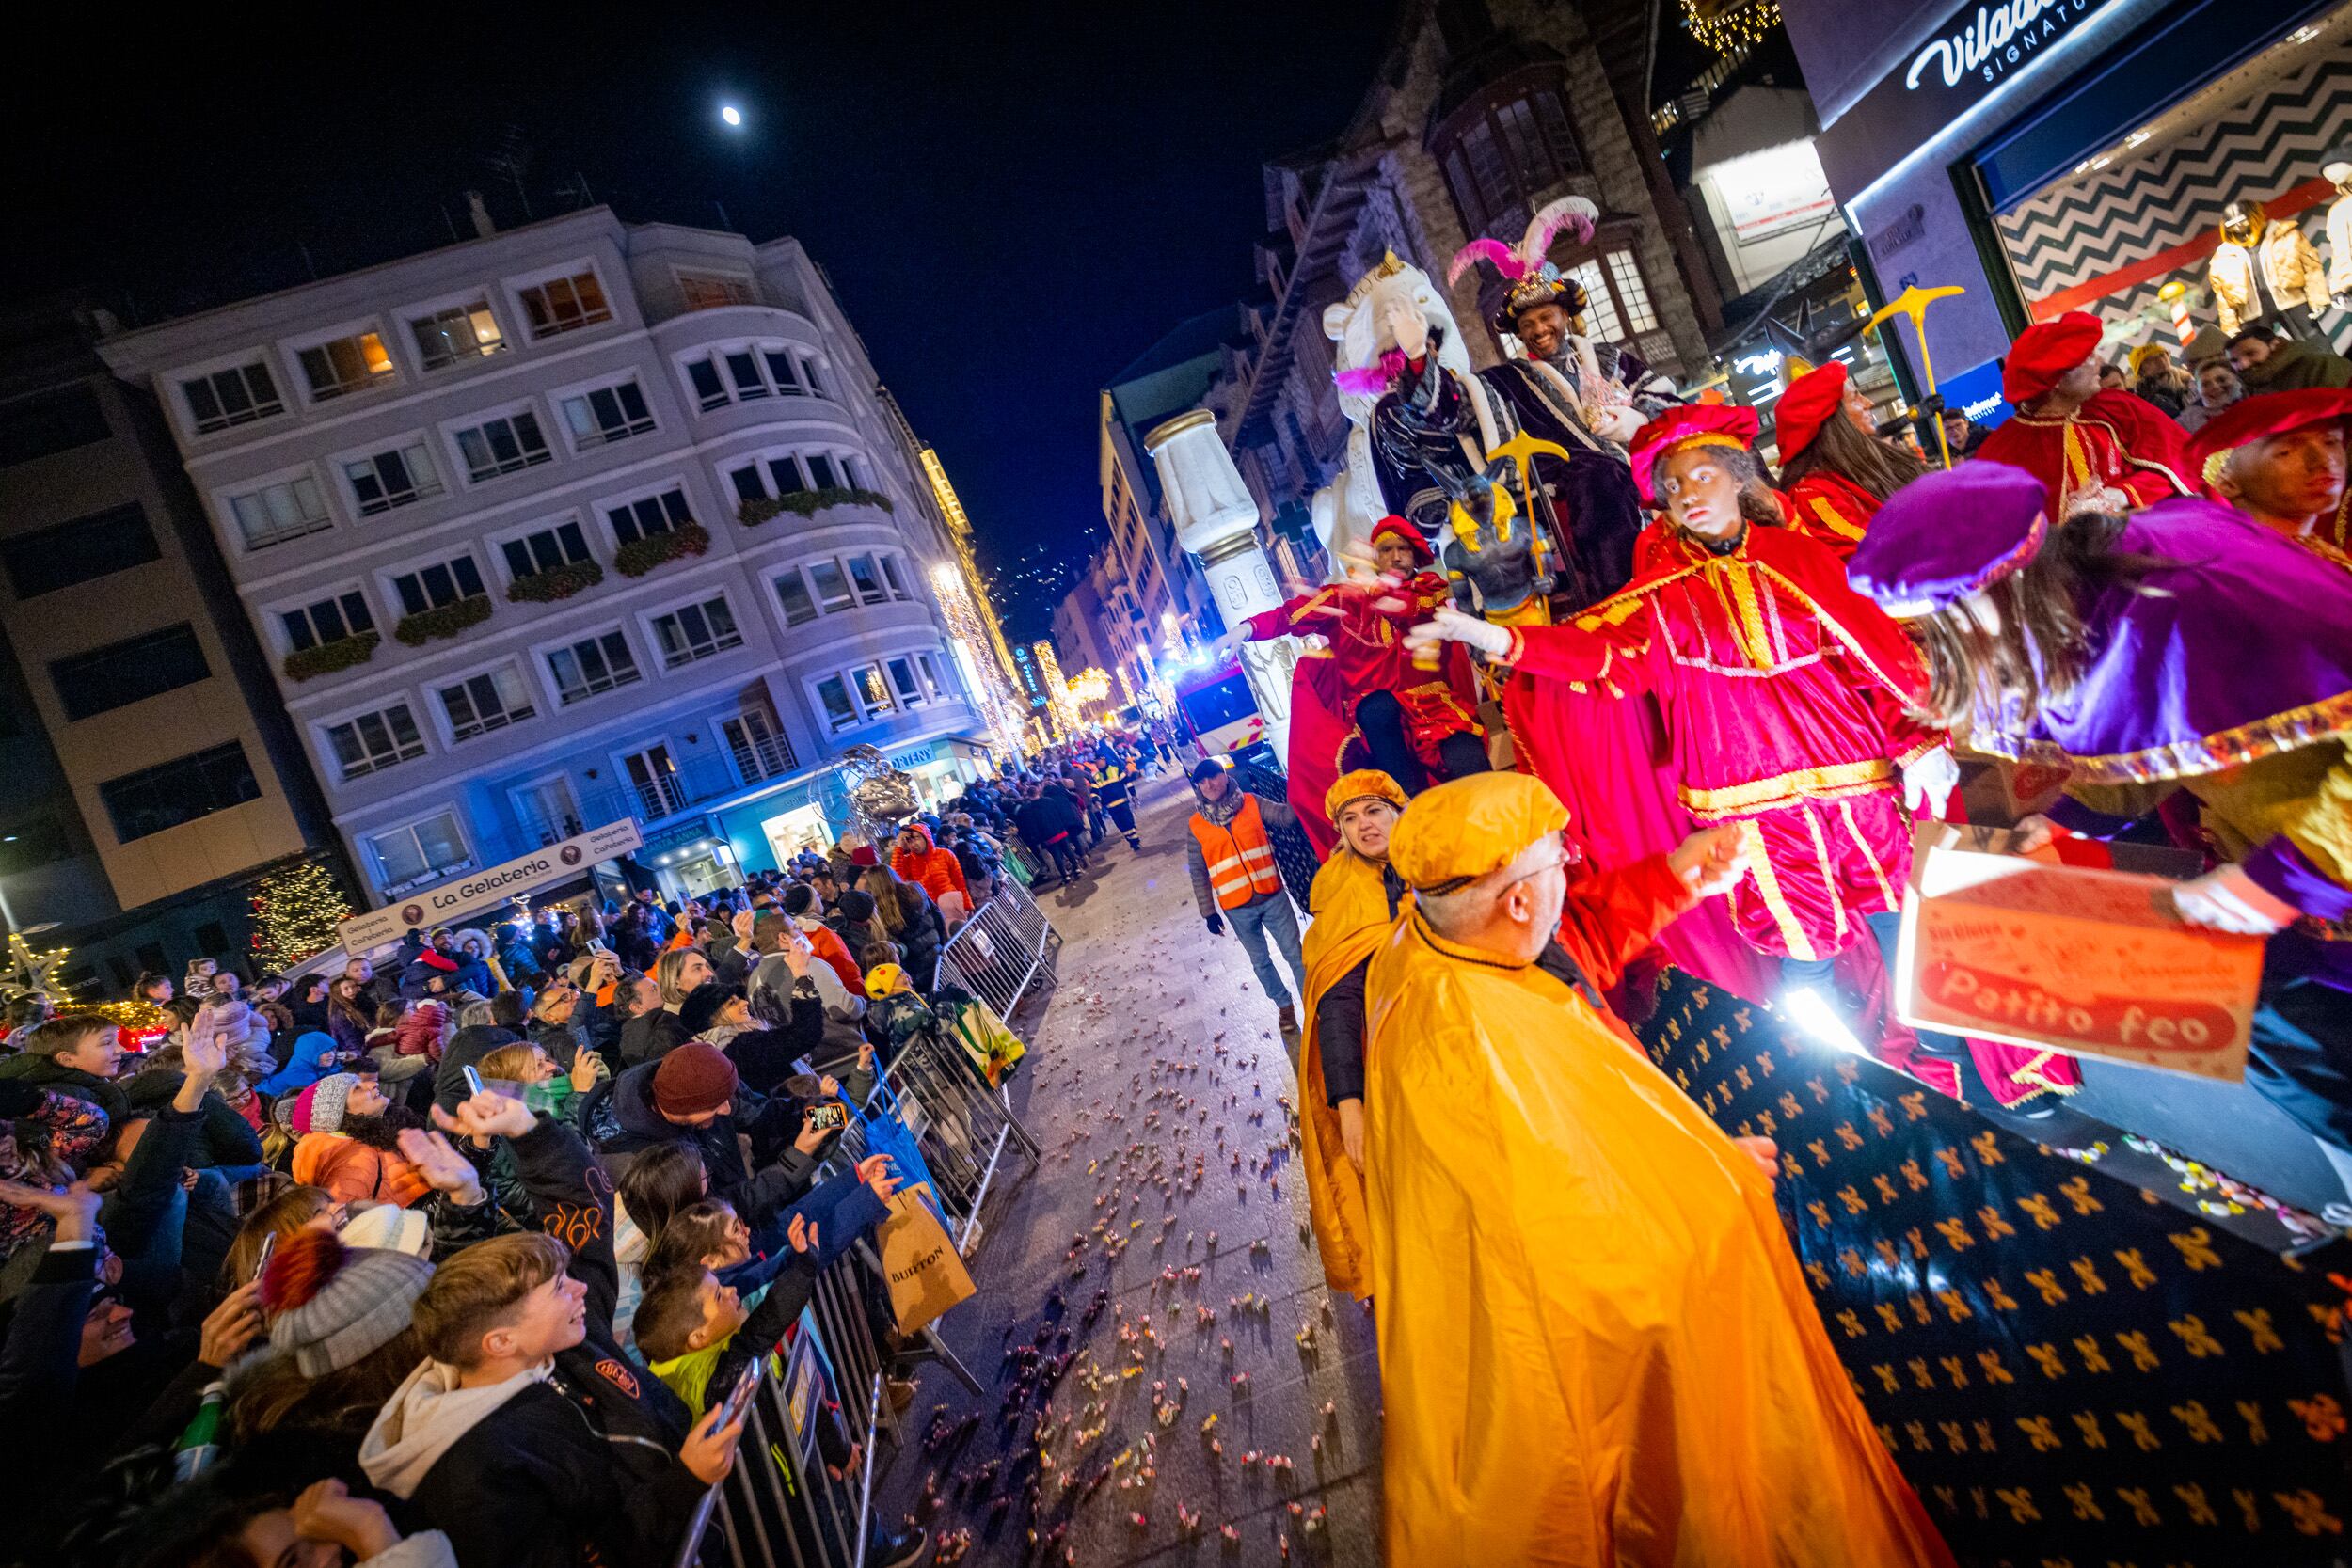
(937,870)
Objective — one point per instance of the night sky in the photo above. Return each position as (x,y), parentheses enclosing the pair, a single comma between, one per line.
(1013,202)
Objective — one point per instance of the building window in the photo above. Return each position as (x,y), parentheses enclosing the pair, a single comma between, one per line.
(707,291)
(370,743)
(1508,149)
(182,790)
(397,476)
(643,519)
(840,711)
(753,371)
(123,673)
(759,751)
(275,513)
(443,583)
(79,550)
(792,591)
(832,589)
(902,681)
(891,575)
(330,620)
(1617,299)
(564,304)
(50,423)
(487,701)
(460,332)
(608,414)
(506,445)
(565,544)
(932,683)
(592,665)
(873,690)
(346,365)
(696,632)
(1625,278)
(821,470)
(422,852)
(239,395)
(866,578)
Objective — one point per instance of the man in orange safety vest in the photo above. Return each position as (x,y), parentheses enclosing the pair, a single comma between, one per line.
(1234,877)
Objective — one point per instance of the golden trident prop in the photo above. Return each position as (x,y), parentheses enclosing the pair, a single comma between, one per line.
(1913,301)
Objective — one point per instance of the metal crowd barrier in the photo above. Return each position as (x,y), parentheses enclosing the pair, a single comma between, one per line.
(1007,947)
(962,1129)
(780,1507)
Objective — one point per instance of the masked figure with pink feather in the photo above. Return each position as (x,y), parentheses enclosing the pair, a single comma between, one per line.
(1589,398)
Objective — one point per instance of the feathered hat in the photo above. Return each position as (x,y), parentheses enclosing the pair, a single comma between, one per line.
(1527,271)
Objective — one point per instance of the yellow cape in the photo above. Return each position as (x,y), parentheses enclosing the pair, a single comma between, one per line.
(1351,916)
(1595,1345)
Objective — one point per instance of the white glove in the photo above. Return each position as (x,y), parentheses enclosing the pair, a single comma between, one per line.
(1930,779)
(2227,899)
(1451,626)
(2106,501)
(1619,423)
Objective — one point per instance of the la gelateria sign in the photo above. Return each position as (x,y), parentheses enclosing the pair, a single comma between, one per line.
(1979,47)
(477,890)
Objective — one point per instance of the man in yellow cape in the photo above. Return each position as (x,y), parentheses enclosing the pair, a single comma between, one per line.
(1595,1346)
(1352,904)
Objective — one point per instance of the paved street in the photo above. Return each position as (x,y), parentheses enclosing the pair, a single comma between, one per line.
(1159,1088)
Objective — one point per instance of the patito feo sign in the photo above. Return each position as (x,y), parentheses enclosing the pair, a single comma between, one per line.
(461,895)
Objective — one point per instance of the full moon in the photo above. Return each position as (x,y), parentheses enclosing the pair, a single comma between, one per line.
(732,115)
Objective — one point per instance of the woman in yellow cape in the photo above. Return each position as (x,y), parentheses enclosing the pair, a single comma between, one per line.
(1352,904)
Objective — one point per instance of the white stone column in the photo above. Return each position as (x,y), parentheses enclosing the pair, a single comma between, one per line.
(1217,522)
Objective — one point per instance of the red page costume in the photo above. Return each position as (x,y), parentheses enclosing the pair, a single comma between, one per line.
(2114,441)
(1820,505)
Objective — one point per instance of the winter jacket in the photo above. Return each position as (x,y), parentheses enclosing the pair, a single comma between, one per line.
(764,1057)
(622,1121)
(349,1170)
(567,1464)
(416,981)
(40,1366)
(920,938)
(2230,275)
(650,1036)
(2295,366)
(222,1137)
(1047,817)
(2292,267)
(424,1030)
(936,871)
(45,1072)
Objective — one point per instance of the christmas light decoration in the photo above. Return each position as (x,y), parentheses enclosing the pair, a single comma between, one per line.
(1057,689)
(33,974)
(296,914)
(1726,25)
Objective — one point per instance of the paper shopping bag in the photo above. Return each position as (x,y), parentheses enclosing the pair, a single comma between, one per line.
(926,1276)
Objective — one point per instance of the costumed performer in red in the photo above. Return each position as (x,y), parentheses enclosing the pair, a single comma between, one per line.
(1786,698)
(1415,722)
(1834,469)
(2280,459)
(2092,451)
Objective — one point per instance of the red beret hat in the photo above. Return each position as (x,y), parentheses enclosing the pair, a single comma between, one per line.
(2258,419)
(1400,527)
(2046,350)
(1690,424)
(1807,405)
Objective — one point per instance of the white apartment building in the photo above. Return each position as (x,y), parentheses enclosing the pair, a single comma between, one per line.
(572,522)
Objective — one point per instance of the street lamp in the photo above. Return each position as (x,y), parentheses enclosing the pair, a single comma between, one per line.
(730,114)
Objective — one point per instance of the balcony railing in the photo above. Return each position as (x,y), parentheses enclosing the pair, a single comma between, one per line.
(666,795)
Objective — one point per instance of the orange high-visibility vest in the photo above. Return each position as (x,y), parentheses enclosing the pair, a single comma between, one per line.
(1239,856)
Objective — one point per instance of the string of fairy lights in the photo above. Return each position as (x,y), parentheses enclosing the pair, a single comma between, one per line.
(1728,25)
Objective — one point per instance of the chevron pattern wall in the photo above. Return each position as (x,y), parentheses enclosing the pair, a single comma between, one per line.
(2076,231)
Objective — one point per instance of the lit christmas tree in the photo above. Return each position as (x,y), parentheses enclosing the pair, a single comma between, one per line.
(296,914)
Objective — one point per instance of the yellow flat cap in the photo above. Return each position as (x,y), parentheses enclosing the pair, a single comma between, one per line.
(1464,828)
(1363,784)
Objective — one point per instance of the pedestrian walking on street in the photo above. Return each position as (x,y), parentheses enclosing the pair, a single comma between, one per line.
(1234,877)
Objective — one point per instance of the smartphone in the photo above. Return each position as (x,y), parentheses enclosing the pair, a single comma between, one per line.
(473,1079)
(828,1114)
(740,1395)
(269,1245)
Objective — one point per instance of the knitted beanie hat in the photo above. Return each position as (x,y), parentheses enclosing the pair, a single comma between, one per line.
(330,1306)
(320,1108)
(692,1079)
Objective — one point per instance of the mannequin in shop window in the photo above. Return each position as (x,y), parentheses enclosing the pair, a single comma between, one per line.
(2290,283)
(2092,450)
(2336,170)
